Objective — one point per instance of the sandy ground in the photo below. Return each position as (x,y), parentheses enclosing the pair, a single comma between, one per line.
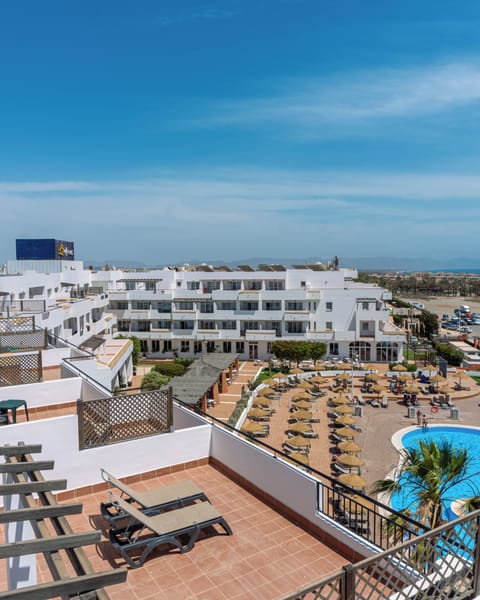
(445,304)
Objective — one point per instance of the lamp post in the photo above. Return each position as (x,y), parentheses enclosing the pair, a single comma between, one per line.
(354,358)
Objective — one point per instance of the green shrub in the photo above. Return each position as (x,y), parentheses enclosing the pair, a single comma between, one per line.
(449,353)
(186,362)
(154,380)
(237,411)
(172,369)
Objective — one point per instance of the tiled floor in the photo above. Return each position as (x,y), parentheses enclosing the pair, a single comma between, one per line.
(266,557)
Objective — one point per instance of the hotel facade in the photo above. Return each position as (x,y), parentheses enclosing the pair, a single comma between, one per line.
(188,311)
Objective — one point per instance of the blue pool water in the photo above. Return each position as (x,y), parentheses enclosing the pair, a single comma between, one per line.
(459,437)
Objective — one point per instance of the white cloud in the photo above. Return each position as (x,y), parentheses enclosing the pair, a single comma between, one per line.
(356,99)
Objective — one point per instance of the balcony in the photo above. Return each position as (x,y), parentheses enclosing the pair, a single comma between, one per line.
(208,334)
(320,336)
(258,335)
(296,315)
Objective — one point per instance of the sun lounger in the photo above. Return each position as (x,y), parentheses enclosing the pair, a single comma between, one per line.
(384,402)
(180,527)
(152,501)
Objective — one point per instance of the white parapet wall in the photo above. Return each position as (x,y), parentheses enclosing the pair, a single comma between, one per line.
(59,439)
(46,393)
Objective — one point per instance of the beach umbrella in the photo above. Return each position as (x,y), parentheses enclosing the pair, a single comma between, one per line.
(340,400)
(349,446)
(296,371)
(318,379)
(350,460)
(262,402)
(446,389)
(411,389)
(345,410)
(353,480)
(299,427)
(279,377)
(343,366)
(301,404)
(343,377)
(372,376)
(305,385)
(429,368)
(400,368)
(437,379)
(270,381)
(300,457)
(267,391)
(377,388)
(302,415)
(347,432)
(403,378)
(371,367)
(303,396)
(258,413)
(298,442)
(345,420)
(252,427)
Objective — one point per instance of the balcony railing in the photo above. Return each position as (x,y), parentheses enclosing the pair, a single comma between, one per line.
(20,368)
(442,563)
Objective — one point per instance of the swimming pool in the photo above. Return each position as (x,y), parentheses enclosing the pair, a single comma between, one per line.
(459,437)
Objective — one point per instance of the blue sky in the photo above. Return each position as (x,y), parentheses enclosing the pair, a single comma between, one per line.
(189,131)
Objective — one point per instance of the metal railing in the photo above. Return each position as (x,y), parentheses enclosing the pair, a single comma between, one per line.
(443,563)
(116,419)
(14,307)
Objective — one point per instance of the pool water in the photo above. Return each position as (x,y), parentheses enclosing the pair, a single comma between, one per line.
(459,437)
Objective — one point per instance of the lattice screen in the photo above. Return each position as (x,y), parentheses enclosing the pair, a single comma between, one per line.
(17,369)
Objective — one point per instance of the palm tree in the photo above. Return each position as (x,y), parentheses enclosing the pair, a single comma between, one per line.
(426,476)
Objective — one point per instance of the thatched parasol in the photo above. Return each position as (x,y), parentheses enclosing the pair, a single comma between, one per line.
(350,460)
(411,389)
(345,410)
(343,367)
(404,378)
(266,391)
(347,432)
(372,376)
(340,400)
(296,371)
(298,442)
(300,457)
(377,388)
(343,377)
(437,379)
(305,385)
(302,415)
(260,401)
(299,427)
(318,379)
(399,368)
(349,446)
(301,404)
(251,427)
(303,396)
(345,420)
(446,389)
(279,377)
(353,480)
(258,413)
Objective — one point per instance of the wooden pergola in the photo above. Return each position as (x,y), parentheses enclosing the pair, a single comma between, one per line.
(46,516)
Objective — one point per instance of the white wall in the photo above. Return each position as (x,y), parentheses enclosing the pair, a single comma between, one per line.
(59,439)
(53,357)
(45,393)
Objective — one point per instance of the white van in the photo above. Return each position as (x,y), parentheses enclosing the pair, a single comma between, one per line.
(418,305)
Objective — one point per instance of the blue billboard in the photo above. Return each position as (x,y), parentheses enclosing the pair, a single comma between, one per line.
(44,249)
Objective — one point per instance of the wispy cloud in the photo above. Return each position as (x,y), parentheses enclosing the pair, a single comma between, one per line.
(204,13)
(356,98)
(177,216)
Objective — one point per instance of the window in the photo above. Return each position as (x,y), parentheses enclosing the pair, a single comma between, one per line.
(275,284)
(303,284)
(167,346)
(360,351)
(240,347)
(329,306)
(185,305)
(333,348)
(272,305)
(365,325)
(197,347)
(294,306)
(364,305)
(193,285)
(227,346)
(206,325)
(228,325)
(232,285)
(123,326)
(206,307)
(294,327)
(329,325)
(141,305)
(130,285)
(151,286)
(231,305)
(164,307)
(250,306)
(210,346)
(252,285)
(143,346)
(179,284)
(183,324)
(210,286)
(143,326)
(164,324)
(387,351)
(120,305)
(269,348)
(185,346)
(155,345)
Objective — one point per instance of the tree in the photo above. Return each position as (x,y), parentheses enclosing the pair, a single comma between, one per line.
(426,477)
(137,349)
(298,351)
(154,380)
(429,323)
(317,351)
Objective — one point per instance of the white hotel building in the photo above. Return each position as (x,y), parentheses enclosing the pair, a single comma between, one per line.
(187,311)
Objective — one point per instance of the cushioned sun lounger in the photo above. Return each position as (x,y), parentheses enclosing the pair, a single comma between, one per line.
(179,527)
(151,501)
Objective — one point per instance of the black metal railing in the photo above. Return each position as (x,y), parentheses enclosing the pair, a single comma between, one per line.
(14,307)
(442,563)
(376,522)
(84,292)
(116,419)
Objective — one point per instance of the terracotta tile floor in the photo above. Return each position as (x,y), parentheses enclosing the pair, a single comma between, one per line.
(266,557)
